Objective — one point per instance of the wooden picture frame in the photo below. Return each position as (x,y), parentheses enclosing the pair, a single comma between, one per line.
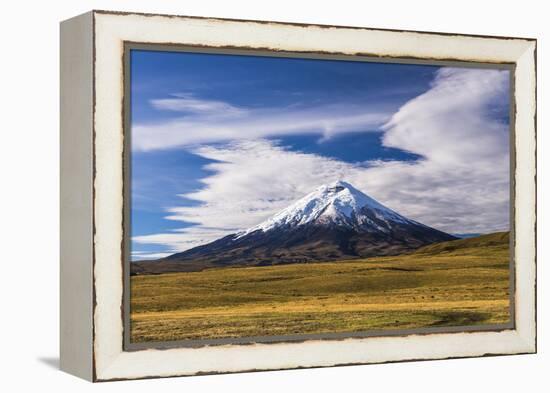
(94,187)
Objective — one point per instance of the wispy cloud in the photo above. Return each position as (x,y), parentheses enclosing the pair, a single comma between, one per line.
(461,184)
(187,103)
(183,239)
(207,121)
(148,255)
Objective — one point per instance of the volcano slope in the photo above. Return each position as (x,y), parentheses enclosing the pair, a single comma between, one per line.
(334,222)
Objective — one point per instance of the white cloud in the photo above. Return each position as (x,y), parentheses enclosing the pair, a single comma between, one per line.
(208,121)
(141,255)
(461,184)
(183,239)
(187,103)
(252,179)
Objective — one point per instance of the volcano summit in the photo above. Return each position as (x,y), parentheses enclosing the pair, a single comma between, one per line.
(334,222)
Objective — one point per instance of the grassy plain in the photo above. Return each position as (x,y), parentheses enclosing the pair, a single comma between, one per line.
(463,282)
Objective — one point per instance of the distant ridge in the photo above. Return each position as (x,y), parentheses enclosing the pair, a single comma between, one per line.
(466,235)
(334,222)
(497,239)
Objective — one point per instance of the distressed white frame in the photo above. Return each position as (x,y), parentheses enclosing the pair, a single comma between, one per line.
(111,30)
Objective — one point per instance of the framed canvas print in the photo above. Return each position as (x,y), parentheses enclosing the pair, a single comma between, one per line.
(246,195)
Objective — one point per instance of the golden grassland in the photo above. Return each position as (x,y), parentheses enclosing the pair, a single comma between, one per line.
(464,282)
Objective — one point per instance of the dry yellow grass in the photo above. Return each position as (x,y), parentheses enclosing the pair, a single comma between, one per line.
(466,283)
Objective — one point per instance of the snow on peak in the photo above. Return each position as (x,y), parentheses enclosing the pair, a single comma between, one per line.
(337,203)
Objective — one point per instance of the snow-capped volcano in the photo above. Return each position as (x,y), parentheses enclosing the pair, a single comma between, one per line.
(334,222)
(337,203)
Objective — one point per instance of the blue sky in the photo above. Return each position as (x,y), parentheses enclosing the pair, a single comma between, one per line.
(222,141)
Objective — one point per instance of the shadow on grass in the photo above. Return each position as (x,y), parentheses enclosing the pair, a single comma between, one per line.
(461,318)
